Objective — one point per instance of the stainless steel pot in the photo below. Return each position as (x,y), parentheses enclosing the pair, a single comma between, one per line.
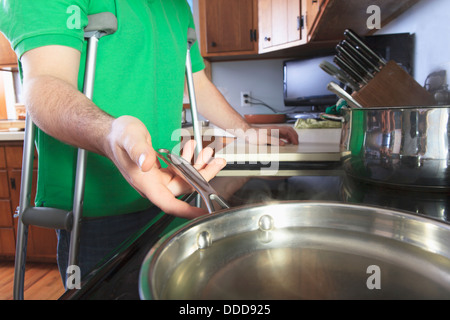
(300,250)
(400,146)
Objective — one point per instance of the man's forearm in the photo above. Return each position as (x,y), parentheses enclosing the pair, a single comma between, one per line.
(213,106)
(63,112)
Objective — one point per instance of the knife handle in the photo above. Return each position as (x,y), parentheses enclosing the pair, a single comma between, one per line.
(353,37)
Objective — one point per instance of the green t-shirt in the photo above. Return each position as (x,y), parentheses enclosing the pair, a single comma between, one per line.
(140,72)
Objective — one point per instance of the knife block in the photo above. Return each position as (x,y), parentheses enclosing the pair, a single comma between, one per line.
(393,87)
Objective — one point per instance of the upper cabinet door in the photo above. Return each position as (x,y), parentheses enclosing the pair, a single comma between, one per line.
(311,13)
(280,24)
(228,27)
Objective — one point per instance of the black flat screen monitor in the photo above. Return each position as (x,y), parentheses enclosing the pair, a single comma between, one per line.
(305,83)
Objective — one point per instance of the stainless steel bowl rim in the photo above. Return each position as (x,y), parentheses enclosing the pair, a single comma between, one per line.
(146,284)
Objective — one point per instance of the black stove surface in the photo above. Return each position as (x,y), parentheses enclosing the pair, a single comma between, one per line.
(117,277)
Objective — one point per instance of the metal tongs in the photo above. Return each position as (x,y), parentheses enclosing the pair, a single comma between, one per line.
(188,173)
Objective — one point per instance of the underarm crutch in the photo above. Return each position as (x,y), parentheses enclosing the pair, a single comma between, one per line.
(192,37)
(99,25)
(196,124)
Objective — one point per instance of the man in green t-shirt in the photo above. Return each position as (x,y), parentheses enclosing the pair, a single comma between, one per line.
(139,85)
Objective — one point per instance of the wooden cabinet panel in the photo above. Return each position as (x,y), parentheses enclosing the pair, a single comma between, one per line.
(2,158)
(311,13)
(15,176)
(228,27)
(294,16)
(265,23)
(4,184)
(286,15)
(335,16)
(8,57)
(41,242)
(7,235)
(6,216)
(279,24)
(13,155)
(7,242)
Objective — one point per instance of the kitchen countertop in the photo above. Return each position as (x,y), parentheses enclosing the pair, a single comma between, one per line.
(315,146)
(12,135)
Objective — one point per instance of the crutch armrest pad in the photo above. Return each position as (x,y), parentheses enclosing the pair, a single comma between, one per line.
(101,24)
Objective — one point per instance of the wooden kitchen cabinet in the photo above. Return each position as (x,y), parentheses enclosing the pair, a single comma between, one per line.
(41,241)
(7,234)
(312,10)
(8,57)
(285,28)
(228,27)
(280,24)
(332,17)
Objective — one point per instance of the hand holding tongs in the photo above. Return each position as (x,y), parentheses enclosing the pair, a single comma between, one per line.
(188,173)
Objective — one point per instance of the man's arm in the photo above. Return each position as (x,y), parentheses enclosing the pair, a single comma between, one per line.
(59,109)
(213,106)
(50,76)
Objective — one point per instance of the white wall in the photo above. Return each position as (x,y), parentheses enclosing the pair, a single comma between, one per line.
(263,78)
(428,20)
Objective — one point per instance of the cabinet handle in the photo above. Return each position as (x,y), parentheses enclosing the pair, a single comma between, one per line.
(266,38)
(300,22)
(213,44)
(253,35)
(13,183)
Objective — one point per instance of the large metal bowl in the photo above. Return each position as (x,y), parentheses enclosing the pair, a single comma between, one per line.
(301,250)
(399,146)
(297,250)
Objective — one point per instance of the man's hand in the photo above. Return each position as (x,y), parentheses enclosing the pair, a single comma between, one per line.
(273,135)
(132,152)
(213,106)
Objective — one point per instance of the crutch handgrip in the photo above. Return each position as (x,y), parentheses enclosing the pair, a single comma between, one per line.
(48,218)
(100,24)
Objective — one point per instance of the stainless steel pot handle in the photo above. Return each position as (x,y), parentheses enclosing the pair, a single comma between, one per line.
(186,171)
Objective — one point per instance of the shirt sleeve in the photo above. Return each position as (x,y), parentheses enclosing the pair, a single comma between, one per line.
(30,24)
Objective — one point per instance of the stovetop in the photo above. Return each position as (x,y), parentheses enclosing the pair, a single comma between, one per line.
(118,277)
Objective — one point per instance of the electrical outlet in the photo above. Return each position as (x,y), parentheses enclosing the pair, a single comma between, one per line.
(245,96)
